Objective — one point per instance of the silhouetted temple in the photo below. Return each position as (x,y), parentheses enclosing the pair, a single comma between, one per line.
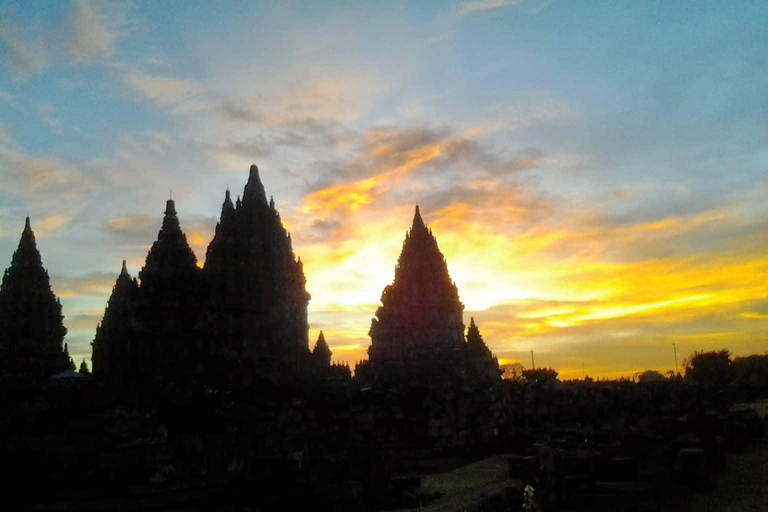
(115,351)
(31,328)
(420,319)
(169,328)
(321,354)
(207,397)
(246,307)
(419,327)
(257,298)
(481,363)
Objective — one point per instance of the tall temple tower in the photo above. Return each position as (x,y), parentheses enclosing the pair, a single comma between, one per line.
(114,347)
(168,330)
(31,328)
(248,304)
(256,286)
(419,324)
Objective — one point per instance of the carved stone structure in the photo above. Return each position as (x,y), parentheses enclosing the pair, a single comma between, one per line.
(115,346)
(169,328)
(481,363)
(321,354)
(31,328)
(257,291)
(419,324)
(247,307)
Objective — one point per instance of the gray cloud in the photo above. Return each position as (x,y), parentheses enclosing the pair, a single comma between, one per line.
(87,36)
(92,284)
(22,54)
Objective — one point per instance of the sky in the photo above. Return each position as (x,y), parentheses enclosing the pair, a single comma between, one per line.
(595,172)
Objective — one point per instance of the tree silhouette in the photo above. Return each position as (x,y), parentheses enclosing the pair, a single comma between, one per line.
(540,375)
(709,369)
(650,376)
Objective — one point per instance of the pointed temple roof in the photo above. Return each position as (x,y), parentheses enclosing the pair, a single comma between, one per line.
(123,290)
(322,352)
(170,256)
(421,313)
(251,271)
(421,269)
(483,364)
(31,328)
(254,190)
(475,340)
(322,346)
(112,340)
(27,255)
(26,263)
(418,222)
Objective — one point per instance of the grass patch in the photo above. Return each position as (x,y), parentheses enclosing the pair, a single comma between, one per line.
(466,478)
(760,406)
(744,487)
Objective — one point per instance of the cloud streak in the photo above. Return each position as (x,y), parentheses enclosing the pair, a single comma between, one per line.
(466,8)
(86,37)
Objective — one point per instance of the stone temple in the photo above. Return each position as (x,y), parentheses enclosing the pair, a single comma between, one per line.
(255,286)
(247,307)
(419,327)
(32,331)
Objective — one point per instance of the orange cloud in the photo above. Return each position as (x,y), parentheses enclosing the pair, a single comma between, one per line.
(612,297)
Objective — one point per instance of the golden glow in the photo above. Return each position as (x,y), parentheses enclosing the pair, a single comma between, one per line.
(559,290)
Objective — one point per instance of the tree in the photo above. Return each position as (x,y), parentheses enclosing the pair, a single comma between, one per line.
(650,376)
(541,375)
(750,372)
(709,369)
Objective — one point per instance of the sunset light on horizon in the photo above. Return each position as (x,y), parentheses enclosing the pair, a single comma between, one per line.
(595,173)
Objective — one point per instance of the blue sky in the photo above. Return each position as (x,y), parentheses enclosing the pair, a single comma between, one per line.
(594,171)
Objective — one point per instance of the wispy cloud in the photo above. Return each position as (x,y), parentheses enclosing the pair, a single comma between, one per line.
(93,284)
(533,11)
(181,95)
(87,36)
(37,177)
(9,99)
(131,224)
(23,54)
(46,113)
(466,8)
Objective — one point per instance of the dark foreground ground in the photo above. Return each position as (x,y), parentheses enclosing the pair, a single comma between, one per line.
(485,485)
(744,487)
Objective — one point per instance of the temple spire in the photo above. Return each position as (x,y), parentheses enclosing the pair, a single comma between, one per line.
(418,222)
(254,189)
(30,315)
(420,320)
(482,364)
(321,354)
(170,257)
(113,353)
